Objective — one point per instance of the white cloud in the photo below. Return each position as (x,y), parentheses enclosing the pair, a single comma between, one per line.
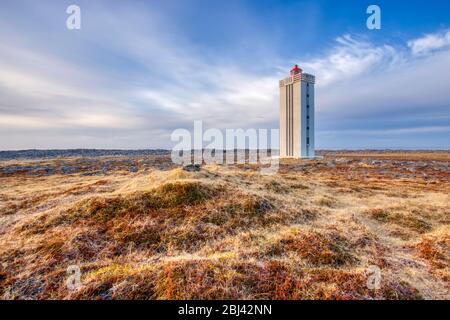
(393,82)
(62,96)
(429,43)
(352,58)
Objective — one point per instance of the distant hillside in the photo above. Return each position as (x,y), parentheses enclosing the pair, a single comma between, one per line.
(39,154)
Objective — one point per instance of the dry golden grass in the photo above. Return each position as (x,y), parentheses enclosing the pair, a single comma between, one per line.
(435,249)
(226,232)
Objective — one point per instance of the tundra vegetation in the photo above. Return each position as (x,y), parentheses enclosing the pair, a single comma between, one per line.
(140,227)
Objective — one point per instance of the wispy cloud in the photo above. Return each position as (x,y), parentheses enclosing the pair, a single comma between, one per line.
(351,58)
(430,42)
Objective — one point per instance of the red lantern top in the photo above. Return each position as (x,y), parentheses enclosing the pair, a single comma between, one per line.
(296,70)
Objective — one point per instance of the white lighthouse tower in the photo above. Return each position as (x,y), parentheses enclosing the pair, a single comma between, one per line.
(297,115)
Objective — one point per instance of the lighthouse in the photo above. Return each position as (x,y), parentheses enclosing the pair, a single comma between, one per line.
(297,115)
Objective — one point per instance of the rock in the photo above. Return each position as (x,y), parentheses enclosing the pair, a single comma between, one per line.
(192,168)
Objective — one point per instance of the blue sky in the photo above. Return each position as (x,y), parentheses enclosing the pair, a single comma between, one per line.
(137,70)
